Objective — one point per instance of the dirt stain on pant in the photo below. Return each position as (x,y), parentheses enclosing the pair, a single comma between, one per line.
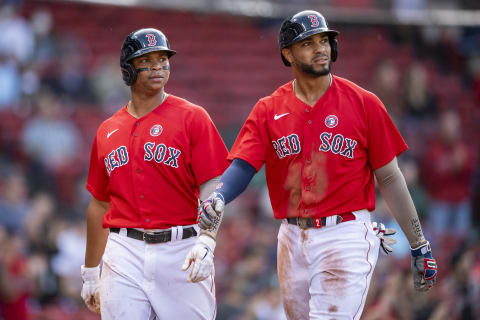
(293,304)
(334,276)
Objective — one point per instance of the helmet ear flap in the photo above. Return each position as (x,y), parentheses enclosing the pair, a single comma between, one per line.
(334,48)
(129,74)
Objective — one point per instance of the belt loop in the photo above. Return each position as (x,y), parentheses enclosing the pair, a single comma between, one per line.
(179,232)
(174,232)
(123,232)
(331,221)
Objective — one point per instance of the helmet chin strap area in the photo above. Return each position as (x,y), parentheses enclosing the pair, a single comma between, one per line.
(147,69)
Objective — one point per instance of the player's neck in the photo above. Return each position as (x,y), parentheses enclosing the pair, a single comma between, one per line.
(309,90)
(141,105)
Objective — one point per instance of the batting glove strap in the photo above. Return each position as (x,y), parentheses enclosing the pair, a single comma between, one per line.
(422,250)
(429,268)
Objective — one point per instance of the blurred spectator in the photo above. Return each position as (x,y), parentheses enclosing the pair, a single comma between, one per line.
(107,84)
(385,84)
(420,102)
(50,137)
(67,77)
(14,202)
(15,281)
(70,241)
(16,40)
(447,172)
(266,304)
(9,82)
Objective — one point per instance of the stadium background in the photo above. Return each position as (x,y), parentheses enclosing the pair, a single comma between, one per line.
(59,78)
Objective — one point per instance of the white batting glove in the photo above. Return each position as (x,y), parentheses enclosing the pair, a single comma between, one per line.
(200,257)
(210,210)
(90,289)
(384,234)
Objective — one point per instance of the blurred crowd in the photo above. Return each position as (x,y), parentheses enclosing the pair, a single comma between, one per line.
(52,100)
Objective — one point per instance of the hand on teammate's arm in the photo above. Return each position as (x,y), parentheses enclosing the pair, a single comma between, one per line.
(394,190)
(96,241)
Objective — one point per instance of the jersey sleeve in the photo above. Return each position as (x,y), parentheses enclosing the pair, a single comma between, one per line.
(383,138)
(97,182)
(250,143)
(209,153)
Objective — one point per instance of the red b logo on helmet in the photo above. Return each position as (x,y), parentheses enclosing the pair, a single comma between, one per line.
(151,39)
(314,20)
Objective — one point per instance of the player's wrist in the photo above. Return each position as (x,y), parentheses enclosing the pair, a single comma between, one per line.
(90,273)
(421,249)
(418,243)
(207,240)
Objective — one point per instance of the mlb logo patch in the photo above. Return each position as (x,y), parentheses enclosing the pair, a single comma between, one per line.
(331,121)
(156,130)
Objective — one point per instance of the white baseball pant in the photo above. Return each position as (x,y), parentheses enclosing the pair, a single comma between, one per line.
(145,281)
(325,273)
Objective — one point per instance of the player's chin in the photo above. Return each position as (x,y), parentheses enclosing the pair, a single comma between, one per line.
(157,83)
(322,70)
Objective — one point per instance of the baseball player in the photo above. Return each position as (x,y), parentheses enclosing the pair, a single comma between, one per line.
(323,141)
(150,163)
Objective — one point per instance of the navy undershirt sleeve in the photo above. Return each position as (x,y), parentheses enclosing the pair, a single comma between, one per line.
(235,179)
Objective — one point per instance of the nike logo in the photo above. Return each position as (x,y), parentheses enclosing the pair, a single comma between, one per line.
(278,116)
(110,133)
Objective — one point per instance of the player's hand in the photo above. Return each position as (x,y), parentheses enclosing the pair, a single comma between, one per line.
(424,267)
(90,289)
(210,210)
(200,258)
(385,236)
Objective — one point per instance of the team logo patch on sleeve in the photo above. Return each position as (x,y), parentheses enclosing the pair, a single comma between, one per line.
(331,121)
(156,130)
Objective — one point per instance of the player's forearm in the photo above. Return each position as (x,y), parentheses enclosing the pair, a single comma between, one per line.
(96,235)
(235,179)
(208,187)
(393,188)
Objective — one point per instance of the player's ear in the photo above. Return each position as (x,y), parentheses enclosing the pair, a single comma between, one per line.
(287,54)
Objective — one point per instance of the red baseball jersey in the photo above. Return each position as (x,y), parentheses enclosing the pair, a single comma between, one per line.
(150,169)
(319,159)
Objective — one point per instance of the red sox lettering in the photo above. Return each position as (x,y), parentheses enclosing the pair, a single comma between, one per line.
(338,144)
(286,146)
(159,153)
(116,158)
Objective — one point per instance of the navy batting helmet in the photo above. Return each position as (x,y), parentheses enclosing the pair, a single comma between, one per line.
(303,25)
(139,43)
